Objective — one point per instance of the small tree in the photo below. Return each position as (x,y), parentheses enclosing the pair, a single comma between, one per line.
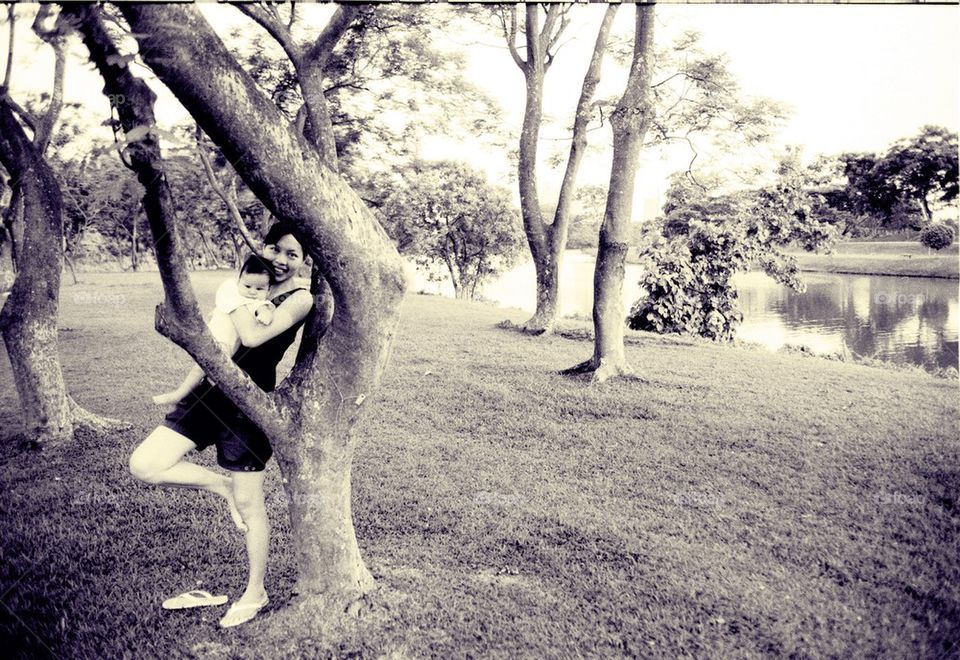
(705,240)
(445,213)
(937,236)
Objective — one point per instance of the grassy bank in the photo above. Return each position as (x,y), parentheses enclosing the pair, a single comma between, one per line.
(730,503)
(884,258)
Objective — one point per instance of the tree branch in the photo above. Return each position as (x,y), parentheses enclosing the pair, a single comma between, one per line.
(510,35)
(279,32)
(578,146)
(222,193)
(12,22)
(341,21)
(55,39)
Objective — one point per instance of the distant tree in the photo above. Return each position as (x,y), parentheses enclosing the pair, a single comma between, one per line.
(445,213)
(900,189)
(924,168)
(706,239)
(937,236)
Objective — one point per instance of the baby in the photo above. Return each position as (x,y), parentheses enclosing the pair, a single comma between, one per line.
(249,290)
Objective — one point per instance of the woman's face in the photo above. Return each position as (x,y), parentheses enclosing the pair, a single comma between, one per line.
(285,257)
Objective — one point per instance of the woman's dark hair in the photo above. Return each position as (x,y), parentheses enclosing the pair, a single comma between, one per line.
(254,265)
(281,229)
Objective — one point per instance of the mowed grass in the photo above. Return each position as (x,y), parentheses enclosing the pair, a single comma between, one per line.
(730,503)
(906,258)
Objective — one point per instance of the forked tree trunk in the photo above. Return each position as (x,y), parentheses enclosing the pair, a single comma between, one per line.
(547,242)
(28,320)
(629,122)
(311,416)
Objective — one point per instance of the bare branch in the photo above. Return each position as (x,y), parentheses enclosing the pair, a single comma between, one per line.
(12,22)
(269,21)
(578,145)
(55,38)
(293,15)
(340,22)
(510,34)
(225,194)
(27,118)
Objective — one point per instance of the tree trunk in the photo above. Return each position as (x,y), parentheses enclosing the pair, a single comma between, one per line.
(28,320)
(134,262)
(310,417)
(547,242)
(629,122)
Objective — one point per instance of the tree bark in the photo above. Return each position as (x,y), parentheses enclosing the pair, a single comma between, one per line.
(629,122)
(13,221)
(311,416)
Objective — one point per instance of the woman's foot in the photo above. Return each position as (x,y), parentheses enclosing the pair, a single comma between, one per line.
(245,608)
(225,490)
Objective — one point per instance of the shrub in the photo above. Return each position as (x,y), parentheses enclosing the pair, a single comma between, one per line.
(936,236)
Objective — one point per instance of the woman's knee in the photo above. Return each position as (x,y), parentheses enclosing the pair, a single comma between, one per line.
(159,451)
(144,467)
(249,498)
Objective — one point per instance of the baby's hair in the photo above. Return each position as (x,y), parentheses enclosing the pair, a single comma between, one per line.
(254,265)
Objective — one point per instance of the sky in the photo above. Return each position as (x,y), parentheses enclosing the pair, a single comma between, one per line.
(856,77)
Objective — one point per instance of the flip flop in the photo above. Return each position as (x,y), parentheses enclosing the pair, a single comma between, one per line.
(238,614)
(195,598)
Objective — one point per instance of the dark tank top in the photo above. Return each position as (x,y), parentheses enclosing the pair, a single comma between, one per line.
(260,362)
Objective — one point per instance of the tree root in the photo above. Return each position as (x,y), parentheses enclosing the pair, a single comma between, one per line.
(527,328)
(599,371)
(84,420)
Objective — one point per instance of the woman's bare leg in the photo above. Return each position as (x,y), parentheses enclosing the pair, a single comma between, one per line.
(159,460)
(248,494)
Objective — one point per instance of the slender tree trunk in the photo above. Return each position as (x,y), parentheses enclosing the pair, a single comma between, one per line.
(134,261)
(28,320)
(311,416)
(629,122)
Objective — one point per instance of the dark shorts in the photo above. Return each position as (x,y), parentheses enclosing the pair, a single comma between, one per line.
(207,417)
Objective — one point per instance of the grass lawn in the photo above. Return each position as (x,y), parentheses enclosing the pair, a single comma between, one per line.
(907,258)
(730,503)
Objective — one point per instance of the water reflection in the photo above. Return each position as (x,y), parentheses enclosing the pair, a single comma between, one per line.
(903,319)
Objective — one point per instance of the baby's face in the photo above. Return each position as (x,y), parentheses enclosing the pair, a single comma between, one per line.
(254,286)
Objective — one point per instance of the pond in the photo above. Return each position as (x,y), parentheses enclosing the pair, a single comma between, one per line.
(901,319)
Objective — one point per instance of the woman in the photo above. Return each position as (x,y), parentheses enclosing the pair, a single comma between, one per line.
(206,416)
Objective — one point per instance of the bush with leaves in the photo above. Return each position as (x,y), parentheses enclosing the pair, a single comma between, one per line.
(937,236)
(705,240)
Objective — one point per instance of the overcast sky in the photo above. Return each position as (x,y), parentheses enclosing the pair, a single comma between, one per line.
(857,77)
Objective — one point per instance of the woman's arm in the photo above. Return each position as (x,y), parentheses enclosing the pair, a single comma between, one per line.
(291,311)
